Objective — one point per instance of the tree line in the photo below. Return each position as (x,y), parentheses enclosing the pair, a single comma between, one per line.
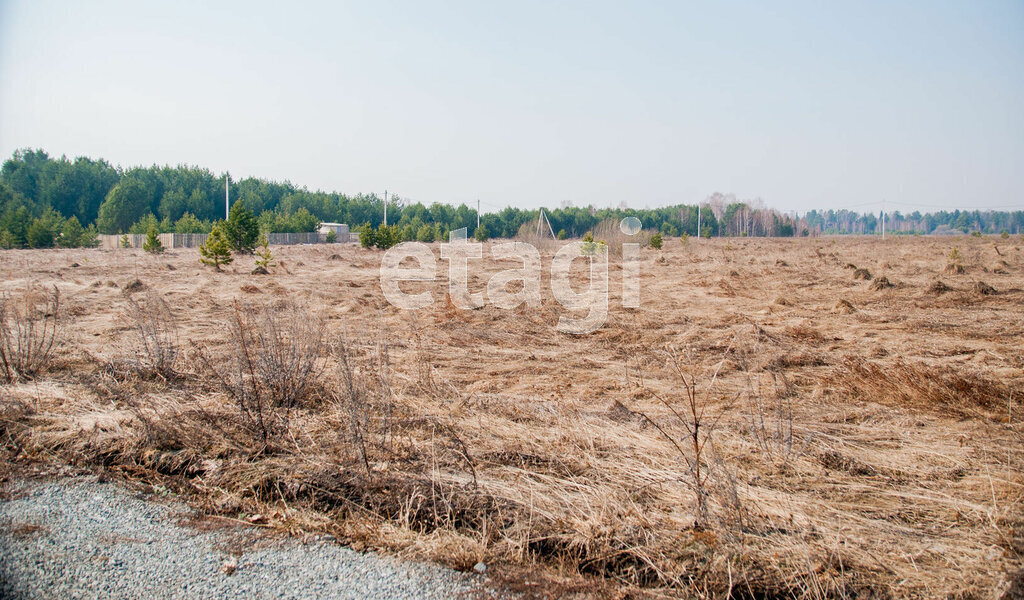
(47,202)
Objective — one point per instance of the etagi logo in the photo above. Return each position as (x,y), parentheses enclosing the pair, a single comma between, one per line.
(460,250)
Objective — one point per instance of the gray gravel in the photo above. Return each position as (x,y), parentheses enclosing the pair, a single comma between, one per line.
(77,538)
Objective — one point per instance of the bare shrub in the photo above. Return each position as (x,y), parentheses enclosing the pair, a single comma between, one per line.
(29,329)
(156,336)
(365,397)
(275,363)
(695,412)
(609,232)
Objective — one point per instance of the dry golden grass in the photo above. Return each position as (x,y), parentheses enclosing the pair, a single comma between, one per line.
(875,449)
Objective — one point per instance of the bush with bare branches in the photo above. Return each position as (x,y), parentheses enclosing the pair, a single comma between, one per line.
(364,394)
(698,413)
(156,336)
(276,360)
(29,328)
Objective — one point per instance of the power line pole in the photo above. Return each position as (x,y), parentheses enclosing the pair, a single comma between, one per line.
(227,197)
(883,219)
(385,208)
(698,221)
(478,213)
(551,229)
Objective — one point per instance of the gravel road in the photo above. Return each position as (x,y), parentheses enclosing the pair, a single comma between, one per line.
(77,538)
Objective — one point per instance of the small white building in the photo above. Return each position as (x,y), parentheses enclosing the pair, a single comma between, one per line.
(339,229)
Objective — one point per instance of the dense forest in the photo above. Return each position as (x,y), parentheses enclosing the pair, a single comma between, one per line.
(46,202)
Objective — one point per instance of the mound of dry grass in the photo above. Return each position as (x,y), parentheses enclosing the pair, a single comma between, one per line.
(904,384)
(880,283)
(843,307)
(983,289)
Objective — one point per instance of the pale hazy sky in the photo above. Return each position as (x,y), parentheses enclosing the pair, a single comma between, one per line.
(803,104)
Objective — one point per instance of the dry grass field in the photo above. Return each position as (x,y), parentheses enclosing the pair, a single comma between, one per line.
(803,418)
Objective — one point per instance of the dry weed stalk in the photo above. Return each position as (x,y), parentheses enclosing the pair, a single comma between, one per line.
(29,328)
(354,400)
(156,329)
(275,363)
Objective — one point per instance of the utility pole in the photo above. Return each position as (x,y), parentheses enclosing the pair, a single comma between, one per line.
(478,213)
(227,197)
(385,208)
(551,229)
(883,219)
(698,221)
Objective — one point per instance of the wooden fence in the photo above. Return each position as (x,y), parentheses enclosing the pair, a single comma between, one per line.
(194,240)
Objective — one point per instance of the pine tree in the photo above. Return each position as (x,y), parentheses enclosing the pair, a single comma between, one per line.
(72,235)
(152,243)
(264,258)
(241,229)
(425,234)
(367,236)
(387,236)
(216,251)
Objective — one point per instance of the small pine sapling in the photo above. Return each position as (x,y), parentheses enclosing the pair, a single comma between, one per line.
(152,243)
(264,258)
(216,251)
